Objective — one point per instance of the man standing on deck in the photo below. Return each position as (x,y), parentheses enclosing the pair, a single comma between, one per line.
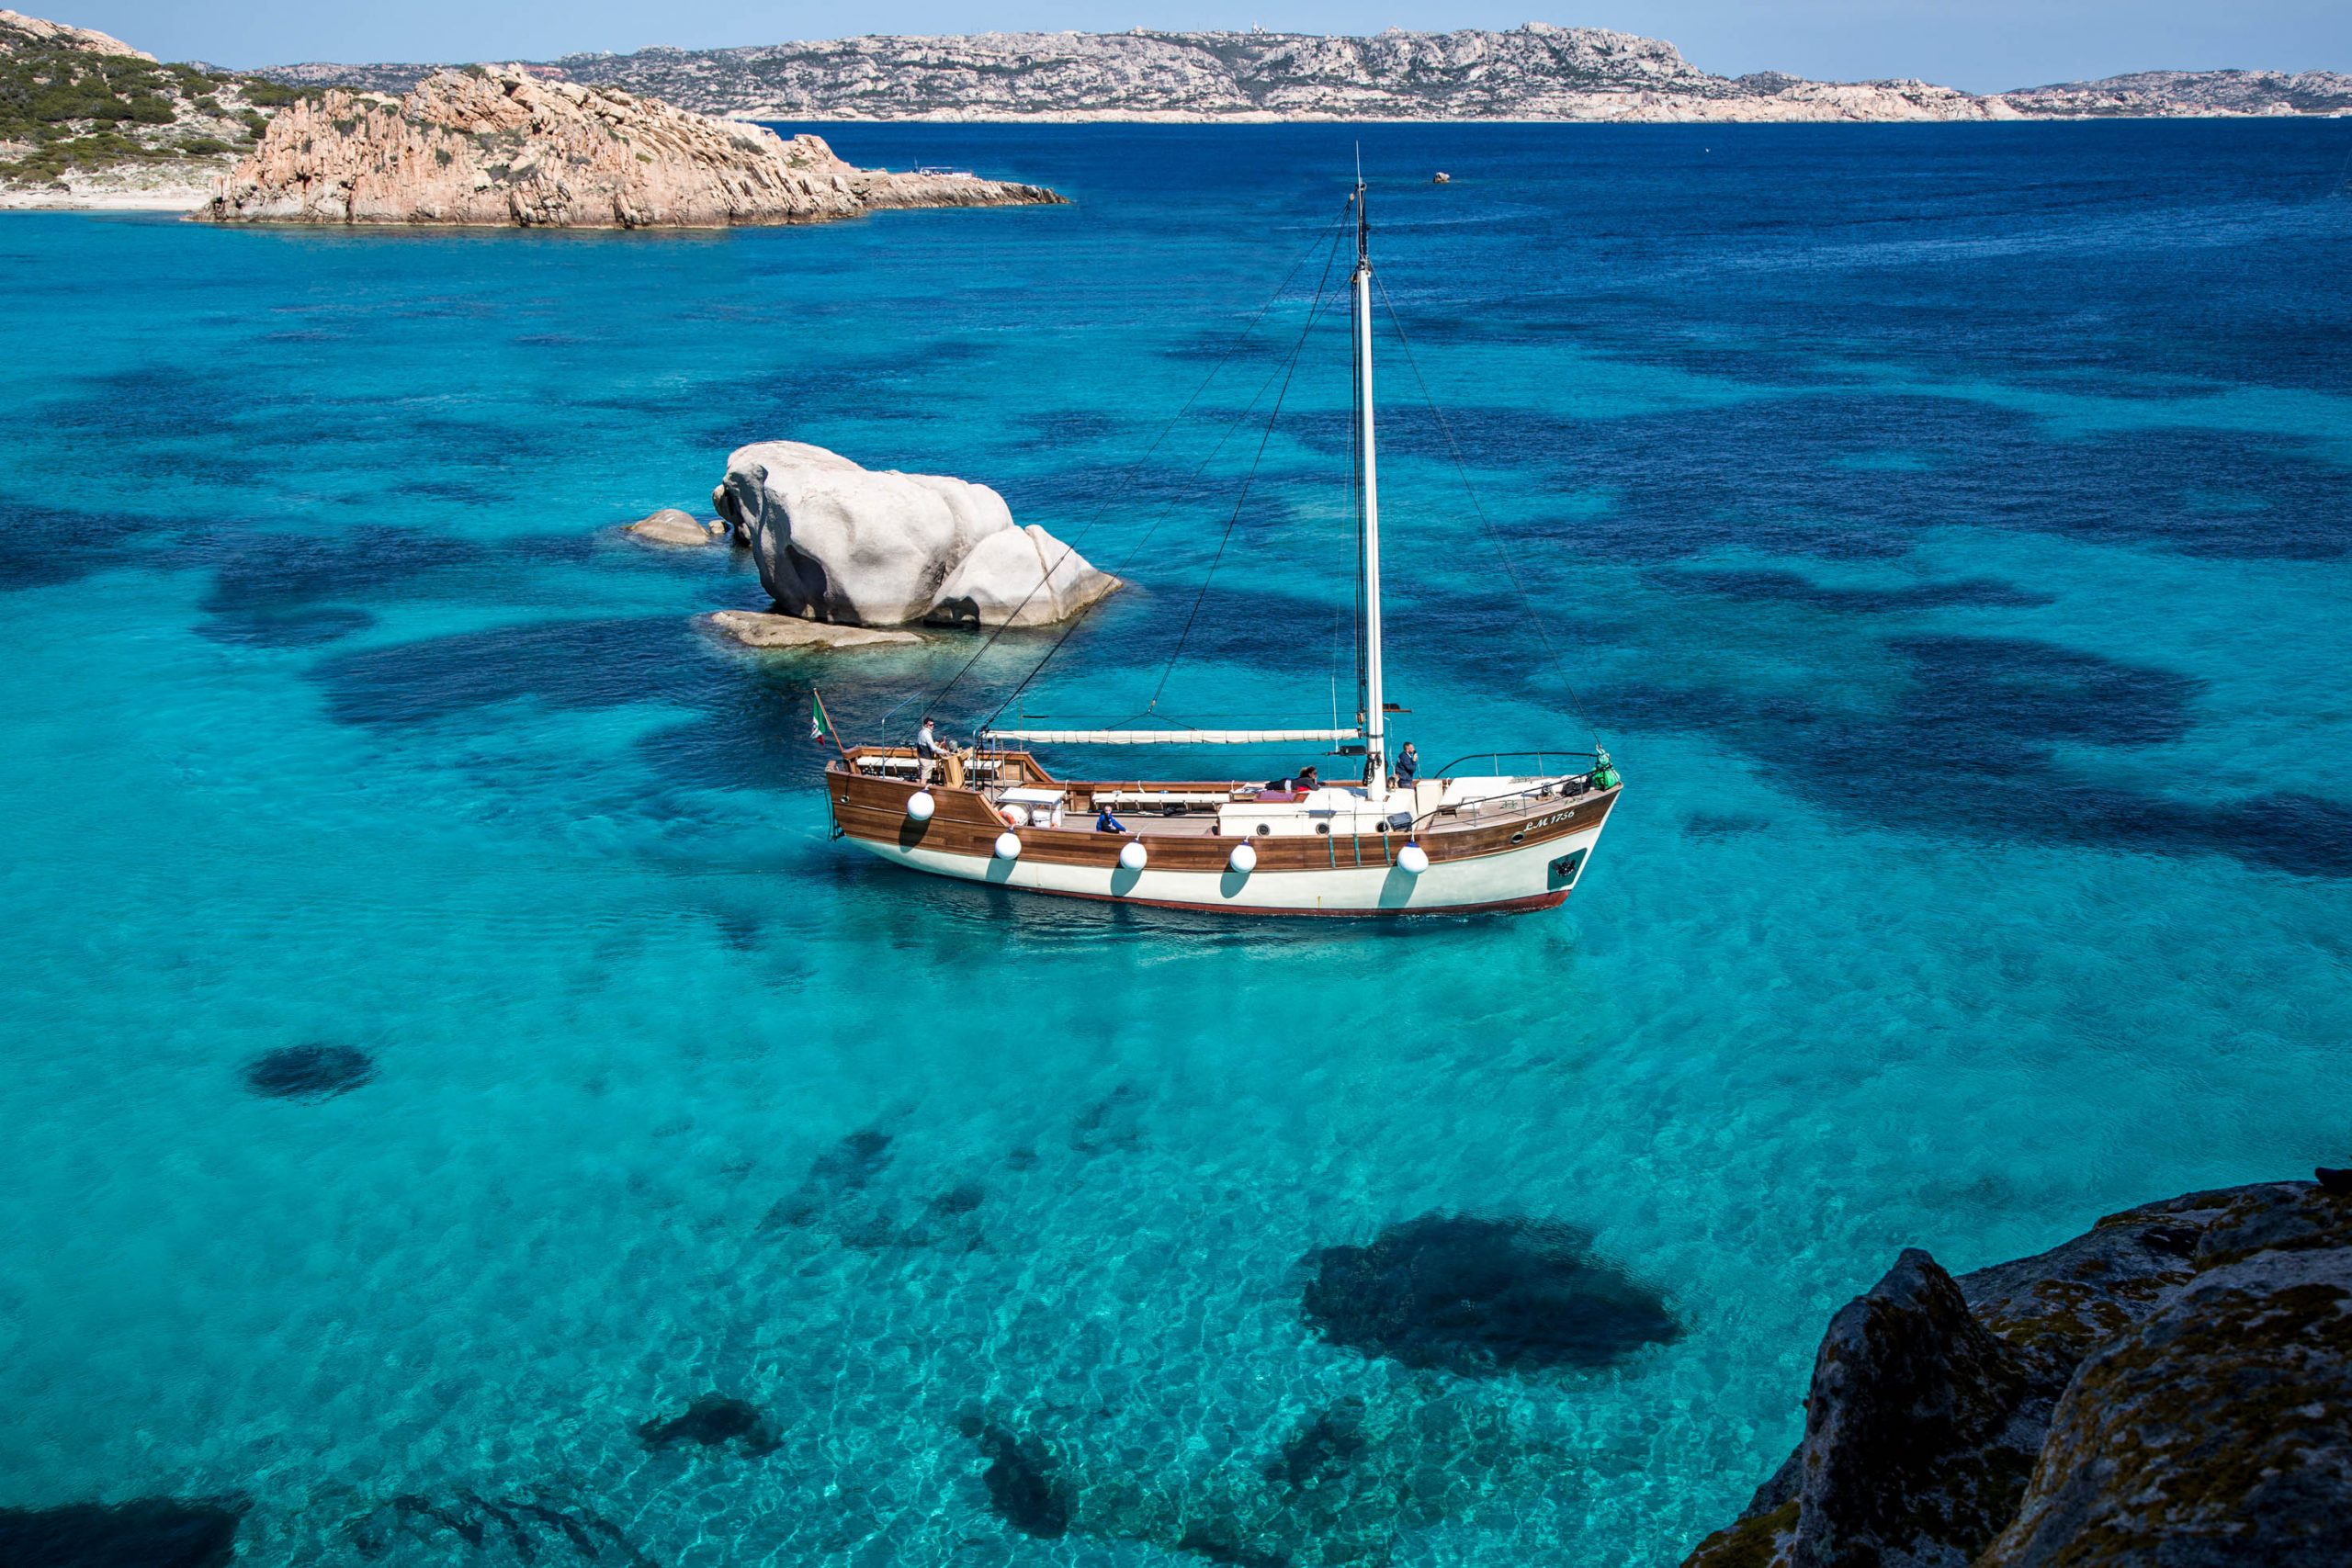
(926,750)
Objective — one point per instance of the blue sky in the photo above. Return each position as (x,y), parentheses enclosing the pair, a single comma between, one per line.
(1984,45)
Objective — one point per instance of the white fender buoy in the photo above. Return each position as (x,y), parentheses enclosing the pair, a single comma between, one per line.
(1008,846)
(920,806)
(1014,816)
(1243,859)
(1412,859)
(1133,855)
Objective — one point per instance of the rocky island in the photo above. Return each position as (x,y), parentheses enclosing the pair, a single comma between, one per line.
(500,147)
(1536,72)
(2173,1387)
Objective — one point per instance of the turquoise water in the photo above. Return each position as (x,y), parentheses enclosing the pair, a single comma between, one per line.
(1947,528)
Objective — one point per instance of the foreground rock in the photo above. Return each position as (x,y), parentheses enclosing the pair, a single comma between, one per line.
(673,529)
(836,542)
(2174,1387)
(756,628)
(503,147)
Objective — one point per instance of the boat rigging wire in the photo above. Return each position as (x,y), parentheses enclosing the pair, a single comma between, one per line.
(1273,416)
(1494,536)
(1324,236)
(1232,428)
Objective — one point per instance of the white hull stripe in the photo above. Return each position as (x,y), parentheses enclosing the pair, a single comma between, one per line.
(1529,872)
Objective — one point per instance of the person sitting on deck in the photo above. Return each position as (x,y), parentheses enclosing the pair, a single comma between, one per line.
(1106,823)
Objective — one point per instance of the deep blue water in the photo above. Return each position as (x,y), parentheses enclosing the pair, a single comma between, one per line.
(1946,527)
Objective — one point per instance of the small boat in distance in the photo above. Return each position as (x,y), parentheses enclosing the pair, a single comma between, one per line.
(1454,841)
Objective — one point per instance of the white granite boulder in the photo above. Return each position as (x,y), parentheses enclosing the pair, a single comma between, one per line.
(1022,577)
(837,542)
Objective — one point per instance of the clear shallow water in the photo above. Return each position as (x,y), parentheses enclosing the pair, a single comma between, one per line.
(1947,528)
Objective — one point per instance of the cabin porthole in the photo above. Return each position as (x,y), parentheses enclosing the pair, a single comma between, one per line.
(1323,828)
(1519,838)
(1263,830)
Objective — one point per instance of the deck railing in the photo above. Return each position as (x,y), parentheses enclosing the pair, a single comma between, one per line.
(1543,759)
(1517,803)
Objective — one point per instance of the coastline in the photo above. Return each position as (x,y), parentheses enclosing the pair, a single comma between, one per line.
(103,201)
(771,116)
(189,199)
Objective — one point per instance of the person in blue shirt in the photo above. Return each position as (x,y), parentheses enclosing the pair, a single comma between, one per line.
(1409,766)
(1106,823)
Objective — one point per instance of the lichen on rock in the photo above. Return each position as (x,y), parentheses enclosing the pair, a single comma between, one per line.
(2173,1387)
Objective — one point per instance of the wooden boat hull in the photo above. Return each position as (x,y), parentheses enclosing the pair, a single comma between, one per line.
(1529,860)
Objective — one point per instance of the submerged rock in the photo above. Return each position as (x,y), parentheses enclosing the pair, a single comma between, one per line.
(839,543)
(500,146)
(964,1198)
(153,1532)
(710,1420)
(309,1072)
(1341,1489)
(539,1524)
(1482,1296)
(2174,1387)
(674,530)
(834,1187)
(1022,1486)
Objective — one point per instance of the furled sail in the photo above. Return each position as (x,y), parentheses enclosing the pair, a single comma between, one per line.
(1170,737)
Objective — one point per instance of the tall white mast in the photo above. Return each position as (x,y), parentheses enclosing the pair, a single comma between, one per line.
(1375,726)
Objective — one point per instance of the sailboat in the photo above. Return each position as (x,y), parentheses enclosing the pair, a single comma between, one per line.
(1457,841)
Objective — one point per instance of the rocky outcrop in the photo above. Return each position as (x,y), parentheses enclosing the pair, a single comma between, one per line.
(501,146)
(758,629)
(673,529)
(2174,1387)
(839,543)
(1536,72)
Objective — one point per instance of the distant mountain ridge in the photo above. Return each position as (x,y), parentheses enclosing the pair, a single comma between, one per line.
(1535,71)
